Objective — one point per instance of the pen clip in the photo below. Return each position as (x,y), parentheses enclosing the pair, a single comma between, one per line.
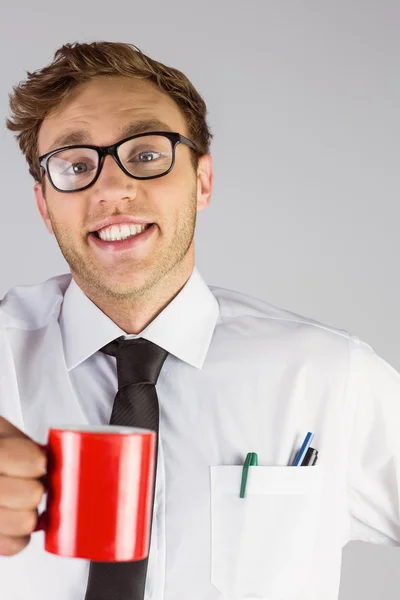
(251,461)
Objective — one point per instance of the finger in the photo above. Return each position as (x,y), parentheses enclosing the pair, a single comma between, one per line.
(20,494)
(12,545)
(17,523)
(21,457)
(7,429)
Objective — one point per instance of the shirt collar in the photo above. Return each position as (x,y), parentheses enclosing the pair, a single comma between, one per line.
(184,328)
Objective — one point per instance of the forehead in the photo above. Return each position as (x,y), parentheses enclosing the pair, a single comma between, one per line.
(96,112)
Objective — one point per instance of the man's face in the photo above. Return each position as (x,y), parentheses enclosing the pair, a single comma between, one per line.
(101,108)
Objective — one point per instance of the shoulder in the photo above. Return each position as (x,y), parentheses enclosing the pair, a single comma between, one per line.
(33,306)
(236,305)
(245,317)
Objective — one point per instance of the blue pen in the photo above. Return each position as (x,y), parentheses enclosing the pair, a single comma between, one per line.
(302,452)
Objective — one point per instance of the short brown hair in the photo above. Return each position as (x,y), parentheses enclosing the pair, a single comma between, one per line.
(44,90)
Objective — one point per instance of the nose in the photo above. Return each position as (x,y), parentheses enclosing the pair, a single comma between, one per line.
(113,183)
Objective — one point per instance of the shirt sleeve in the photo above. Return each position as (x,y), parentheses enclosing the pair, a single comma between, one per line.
(374,457)
(10,407)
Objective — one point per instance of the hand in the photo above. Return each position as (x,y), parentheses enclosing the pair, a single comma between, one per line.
(22,462)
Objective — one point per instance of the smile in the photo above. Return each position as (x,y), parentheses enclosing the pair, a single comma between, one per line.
(118,241)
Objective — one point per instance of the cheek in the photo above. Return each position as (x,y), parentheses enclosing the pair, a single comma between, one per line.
(66,217)
(163,200)
(175,192)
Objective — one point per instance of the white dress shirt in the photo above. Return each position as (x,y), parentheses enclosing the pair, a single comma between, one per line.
(241,376)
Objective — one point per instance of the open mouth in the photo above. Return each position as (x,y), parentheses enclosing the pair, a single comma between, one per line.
(136,241)
(122,237)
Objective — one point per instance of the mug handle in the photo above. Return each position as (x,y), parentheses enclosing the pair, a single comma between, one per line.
(41,524)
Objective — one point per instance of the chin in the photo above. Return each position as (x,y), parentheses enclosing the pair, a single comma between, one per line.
(125,287)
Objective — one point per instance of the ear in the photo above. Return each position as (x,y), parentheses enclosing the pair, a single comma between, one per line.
(205,180)
(42,206)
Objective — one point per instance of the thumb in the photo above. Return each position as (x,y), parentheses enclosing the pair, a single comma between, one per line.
(7,429)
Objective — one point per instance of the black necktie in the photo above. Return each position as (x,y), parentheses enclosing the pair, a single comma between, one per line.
(139,363)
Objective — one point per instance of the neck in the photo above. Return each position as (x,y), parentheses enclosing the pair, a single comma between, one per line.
(133,315)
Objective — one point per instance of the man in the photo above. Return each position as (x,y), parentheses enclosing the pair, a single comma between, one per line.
(240,375)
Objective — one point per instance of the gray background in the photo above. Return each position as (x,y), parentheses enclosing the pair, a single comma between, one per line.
(304,104)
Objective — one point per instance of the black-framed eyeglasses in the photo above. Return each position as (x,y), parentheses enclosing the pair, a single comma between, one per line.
(142,156)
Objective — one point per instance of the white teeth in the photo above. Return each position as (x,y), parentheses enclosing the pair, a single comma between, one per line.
(119,232)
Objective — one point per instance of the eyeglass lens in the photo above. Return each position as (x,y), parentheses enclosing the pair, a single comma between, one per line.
(146,156)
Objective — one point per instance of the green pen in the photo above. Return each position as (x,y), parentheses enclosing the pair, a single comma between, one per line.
(251,461)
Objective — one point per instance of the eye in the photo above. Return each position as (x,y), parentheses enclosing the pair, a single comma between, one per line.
(146,157)
(79,168)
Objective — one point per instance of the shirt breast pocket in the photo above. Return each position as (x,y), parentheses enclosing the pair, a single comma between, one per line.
(262,546)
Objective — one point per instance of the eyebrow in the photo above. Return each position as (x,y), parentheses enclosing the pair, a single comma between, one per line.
(70,138)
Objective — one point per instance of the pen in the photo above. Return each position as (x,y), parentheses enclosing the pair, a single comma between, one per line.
(251,461)
(310,458)
(304,447)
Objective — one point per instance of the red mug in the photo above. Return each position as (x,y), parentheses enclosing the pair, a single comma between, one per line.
(100,492)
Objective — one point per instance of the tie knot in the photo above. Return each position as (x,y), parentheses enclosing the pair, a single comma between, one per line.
(138,360)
